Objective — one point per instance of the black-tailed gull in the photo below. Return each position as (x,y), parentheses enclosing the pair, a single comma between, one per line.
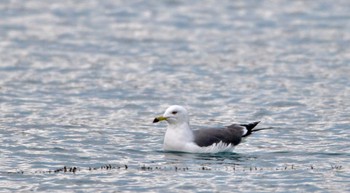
(180,137)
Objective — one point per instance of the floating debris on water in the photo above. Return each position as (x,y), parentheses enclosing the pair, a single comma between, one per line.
(234,168)
(336,167)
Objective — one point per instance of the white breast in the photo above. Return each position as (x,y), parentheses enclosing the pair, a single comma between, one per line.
(178,138)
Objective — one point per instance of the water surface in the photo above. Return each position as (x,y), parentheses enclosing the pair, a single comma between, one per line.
(80,83)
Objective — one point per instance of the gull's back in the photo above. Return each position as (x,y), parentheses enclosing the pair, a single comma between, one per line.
(230,135)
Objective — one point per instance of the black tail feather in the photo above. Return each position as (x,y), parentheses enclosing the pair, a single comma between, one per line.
(250,128)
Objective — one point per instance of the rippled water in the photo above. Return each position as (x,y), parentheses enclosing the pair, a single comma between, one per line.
(80,83)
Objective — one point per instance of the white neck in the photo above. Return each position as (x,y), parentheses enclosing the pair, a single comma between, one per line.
(177,137)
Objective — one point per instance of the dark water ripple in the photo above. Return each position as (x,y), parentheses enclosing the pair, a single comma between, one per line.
(80,83)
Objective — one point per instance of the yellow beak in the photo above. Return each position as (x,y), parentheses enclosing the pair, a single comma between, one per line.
(160,118)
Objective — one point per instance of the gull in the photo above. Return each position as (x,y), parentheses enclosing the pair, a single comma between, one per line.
(179,136)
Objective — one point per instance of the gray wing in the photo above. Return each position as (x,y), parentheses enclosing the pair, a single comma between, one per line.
(230,135)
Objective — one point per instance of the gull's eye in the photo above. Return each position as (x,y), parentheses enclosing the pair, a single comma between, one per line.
(174,112)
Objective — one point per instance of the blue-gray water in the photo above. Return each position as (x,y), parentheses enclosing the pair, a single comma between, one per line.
(81,81)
